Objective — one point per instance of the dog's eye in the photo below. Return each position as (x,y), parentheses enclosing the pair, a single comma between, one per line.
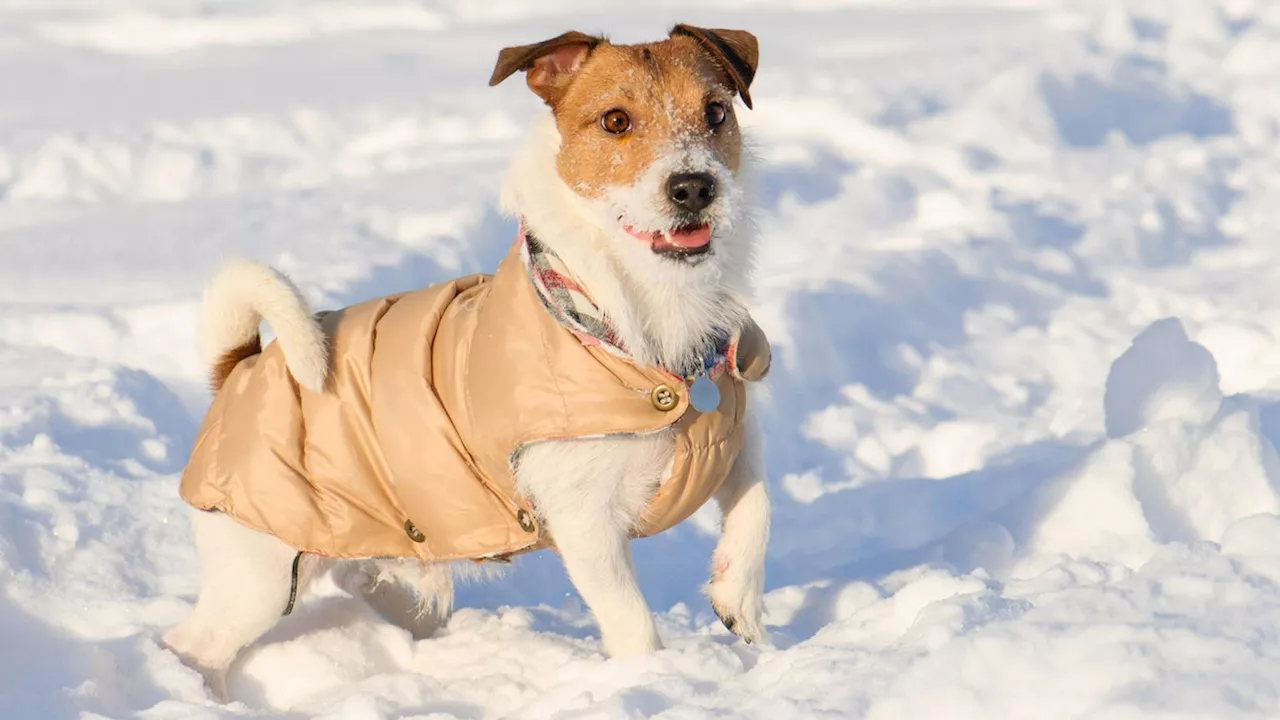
(615,121)
(716,114)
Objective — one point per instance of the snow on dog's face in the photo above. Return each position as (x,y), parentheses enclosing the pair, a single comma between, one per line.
(648,135)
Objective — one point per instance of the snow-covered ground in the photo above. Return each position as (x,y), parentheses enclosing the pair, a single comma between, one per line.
(1022,269)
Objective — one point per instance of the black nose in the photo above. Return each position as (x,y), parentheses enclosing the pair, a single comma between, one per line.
(691,191)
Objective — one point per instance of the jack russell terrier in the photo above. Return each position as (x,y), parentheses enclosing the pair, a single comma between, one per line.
(591,390)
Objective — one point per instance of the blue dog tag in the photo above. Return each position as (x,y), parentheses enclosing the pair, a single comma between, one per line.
(704,395)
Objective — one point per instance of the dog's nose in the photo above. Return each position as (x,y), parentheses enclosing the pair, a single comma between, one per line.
(692,191)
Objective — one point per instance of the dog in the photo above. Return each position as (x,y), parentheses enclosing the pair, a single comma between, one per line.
(552,404)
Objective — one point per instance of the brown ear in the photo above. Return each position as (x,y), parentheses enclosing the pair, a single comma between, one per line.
(737,52)
(549,63)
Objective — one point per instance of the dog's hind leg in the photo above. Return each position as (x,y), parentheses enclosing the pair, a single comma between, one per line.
(736,589)
(247,579)
(414,595)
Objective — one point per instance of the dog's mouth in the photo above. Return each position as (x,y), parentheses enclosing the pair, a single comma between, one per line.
(684,242)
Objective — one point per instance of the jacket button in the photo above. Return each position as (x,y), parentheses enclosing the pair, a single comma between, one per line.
(526,520)
(664,398)
(413,532)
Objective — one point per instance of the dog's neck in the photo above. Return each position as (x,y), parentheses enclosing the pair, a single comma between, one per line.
(568,299)
(661,318)
(659,325)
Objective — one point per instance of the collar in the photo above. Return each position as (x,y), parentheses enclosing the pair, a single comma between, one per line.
(568,302)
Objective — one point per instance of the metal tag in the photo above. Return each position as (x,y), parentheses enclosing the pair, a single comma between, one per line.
(704,395)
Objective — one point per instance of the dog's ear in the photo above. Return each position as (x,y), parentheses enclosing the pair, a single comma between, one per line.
(737,52)
(549,65)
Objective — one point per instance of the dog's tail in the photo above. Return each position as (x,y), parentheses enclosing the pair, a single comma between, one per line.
(237,300)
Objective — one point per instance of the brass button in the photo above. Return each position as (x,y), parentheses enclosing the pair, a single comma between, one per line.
(664,398)
(413,532)
(526,520)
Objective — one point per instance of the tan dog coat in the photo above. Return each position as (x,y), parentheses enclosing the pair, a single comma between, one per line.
(408,452)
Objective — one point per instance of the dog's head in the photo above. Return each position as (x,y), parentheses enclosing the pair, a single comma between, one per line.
(648,139)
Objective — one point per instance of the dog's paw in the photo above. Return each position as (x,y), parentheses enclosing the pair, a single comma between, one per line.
(219,690)
(745,622)
(215,680)
(640,640)
(739,603)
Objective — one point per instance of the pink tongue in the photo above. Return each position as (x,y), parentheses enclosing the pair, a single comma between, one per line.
(690,239)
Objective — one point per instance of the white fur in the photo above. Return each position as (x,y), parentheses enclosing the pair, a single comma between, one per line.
(662,309)
(406,592)
(245,293)
(737,568)
(589,492)
(244,588)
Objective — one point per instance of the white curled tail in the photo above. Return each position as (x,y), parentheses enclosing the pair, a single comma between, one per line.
(237,300)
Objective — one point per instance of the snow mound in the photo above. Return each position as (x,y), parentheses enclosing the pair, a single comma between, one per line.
(1181,464)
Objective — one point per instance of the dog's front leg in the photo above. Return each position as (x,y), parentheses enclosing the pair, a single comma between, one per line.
(589,493)
(736,589)
(598,560)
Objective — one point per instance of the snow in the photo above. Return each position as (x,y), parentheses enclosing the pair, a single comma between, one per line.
(1019,265)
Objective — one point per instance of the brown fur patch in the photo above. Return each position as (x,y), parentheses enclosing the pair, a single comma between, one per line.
(230,359)
(664,87)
